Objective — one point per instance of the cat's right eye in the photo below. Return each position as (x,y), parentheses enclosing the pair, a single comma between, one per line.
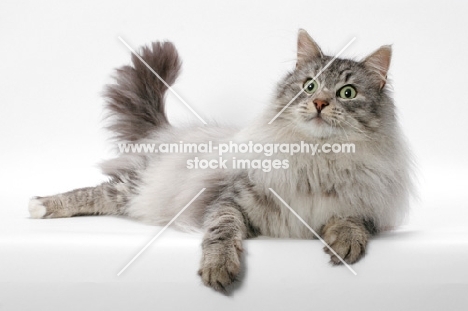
(310,86)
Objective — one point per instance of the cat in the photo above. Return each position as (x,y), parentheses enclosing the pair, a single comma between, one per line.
(345,197)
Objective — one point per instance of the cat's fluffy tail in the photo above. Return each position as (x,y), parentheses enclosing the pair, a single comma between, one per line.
(135,102)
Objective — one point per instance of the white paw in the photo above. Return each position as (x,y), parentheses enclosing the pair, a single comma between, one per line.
(36,208)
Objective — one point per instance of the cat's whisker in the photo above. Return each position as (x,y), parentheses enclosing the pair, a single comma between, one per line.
(359,130)
(331,129)
(343,131)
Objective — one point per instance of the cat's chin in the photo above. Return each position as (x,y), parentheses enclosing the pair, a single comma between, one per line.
(319,128)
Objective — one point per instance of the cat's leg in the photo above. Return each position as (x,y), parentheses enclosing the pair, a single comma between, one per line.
(108,198)
(348,237)
(226,227)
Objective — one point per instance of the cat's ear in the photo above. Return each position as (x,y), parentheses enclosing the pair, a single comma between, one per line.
(379,62)
(307,49)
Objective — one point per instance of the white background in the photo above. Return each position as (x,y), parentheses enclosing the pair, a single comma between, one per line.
(57,56)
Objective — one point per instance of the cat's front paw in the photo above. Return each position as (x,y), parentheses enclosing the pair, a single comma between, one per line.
(220,266)
(347,237)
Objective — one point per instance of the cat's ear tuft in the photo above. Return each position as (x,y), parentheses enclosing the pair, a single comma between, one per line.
(379,62)
(307,49)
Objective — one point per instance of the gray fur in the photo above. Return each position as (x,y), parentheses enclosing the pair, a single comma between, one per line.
(109,198)
(136,102)
(345,197)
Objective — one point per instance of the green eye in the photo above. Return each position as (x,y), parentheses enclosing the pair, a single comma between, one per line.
(347,92)
(310,86)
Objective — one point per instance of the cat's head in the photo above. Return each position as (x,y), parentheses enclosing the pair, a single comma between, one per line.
(347,98)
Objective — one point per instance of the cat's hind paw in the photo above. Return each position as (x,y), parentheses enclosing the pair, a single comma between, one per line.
(36,208)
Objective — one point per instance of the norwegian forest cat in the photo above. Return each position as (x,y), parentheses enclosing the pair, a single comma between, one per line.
(344,197)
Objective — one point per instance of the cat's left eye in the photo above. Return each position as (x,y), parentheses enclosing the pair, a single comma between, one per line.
(347,92)
(310,86)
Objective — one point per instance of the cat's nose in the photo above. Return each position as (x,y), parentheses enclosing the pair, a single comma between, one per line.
(320,104)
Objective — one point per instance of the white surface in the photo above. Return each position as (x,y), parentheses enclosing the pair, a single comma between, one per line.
(73,263)
(55,59)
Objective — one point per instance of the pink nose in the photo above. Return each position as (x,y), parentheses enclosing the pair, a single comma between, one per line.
(320,104)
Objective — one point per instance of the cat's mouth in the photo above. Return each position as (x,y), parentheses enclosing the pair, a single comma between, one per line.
(318,119)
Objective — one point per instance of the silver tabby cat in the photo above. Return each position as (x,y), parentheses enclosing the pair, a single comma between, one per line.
(345,197)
